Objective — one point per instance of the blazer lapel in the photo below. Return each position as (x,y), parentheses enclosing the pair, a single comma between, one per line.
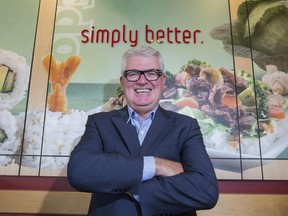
(126,131)
(158,129)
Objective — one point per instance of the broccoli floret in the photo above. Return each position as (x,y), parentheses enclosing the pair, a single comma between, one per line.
(256,98)
(170,80)
(261,92)
(119,92)
(196,63)
(199,63)
(246,75)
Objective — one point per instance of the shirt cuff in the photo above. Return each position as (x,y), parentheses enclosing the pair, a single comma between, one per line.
(149,168)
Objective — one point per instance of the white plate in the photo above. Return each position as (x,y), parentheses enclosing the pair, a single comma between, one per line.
(236,162)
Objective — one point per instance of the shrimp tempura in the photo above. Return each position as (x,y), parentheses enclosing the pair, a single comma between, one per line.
(59,77)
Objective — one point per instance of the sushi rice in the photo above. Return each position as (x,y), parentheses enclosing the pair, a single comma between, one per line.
(61,133)
(10,145)
(19,66)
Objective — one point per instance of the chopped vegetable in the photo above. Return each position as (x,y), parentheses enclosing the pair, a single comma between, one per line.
(231,101)
(119,92)
(7,79)
(3,135)
(187,101)
(277,112)
(170,80)
(199,63)
(261,92)
(246,75)
(196,63)
(247,97)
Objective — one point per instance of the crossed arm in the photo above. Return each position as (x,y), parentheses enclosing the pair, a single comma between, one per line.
(176,186)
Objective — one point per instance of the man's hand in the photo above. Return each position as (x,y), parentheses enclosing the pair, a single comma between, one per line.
(167,167)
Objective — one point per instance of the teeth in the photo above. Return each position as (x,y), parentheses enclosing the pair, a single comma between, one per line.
(142,90)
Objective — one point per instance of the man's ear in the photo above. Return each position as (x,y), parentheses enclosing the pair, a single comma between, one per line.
(164,79)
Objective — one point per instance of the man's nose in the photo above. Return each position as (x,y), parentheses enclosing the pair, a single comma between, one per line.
(142,78)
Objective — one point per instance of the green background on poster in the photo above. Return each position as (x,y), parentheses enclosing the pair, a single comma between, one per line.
(101,62)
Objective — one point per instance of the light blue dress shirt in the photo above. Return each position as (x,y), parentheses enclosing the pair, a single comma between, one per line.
(142,129)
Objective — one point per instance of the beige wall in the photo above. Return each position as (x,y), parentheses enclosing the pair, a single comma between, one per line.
(35,202)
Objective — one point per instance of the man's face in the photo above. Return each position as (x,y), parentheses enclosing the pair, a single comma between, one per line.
(143,95)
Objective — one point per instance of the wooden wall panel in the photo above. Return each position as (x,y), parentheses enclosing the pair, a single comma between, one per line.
(44,202)
(43,44)
(75,203)
(249,205)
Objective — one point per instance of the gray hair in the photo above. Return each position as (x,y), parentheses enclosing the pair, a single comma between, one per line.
(142,51)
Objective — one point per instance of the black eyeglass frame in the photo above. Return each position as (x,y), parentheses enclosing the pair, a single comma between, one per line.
(140,72)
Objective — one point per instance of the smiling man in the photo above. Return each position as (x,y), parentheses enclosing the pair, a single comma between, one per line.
(142,159)
(143,82)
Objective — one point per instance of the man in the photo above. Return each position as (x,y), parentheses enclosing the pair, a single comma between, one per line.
(142,159)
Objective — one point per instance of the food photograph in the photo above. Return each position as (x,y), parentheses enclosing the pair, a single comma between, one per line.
(230,74)
(61,70)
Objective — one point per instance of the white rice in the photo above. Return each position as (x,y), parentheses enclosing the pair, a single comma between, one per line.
(22,70)
(219,140)
(61,133)
(10,145)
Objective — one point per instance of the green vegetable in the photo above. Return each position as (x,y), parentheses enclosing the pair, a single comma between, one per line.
(199,63)
(3,135)
(255,95)
(7,79)
(119,91)
(285,106)
(246,75)
(206,124)
(247,97)
(170,80)
(261,25)
(196,63)
(261,92)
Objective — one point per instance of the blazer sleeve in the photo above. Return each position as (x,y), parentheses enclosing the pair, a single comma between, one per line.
(194,189)
(92,170)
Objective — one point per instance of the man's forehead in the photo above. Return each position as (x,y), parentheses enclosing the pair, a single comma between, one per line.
(142,62)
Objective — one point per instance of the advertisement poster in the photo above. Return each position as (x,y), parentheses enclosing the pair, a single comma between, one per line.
(225,70)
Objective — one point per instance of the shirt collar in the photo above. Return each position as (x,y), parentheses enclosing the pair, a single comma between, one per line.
(132,113)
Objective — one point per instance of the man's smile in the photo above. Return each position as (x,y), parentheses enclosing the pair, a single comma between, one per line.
(143,90)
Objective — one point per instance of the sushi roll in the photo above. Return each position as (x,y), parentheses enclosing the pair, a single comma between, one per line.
(9,140)
(61,134)
(14,78)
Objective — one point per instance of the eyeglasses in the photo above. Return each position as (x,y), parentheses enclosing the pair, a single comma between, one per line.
(150,75)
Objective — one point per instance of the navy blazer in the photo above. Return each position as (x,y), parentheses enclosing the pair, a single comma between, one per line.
(108,161)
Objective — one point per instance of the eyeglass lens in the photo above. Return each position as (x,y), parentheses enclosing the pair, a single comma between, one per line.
(150,75)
